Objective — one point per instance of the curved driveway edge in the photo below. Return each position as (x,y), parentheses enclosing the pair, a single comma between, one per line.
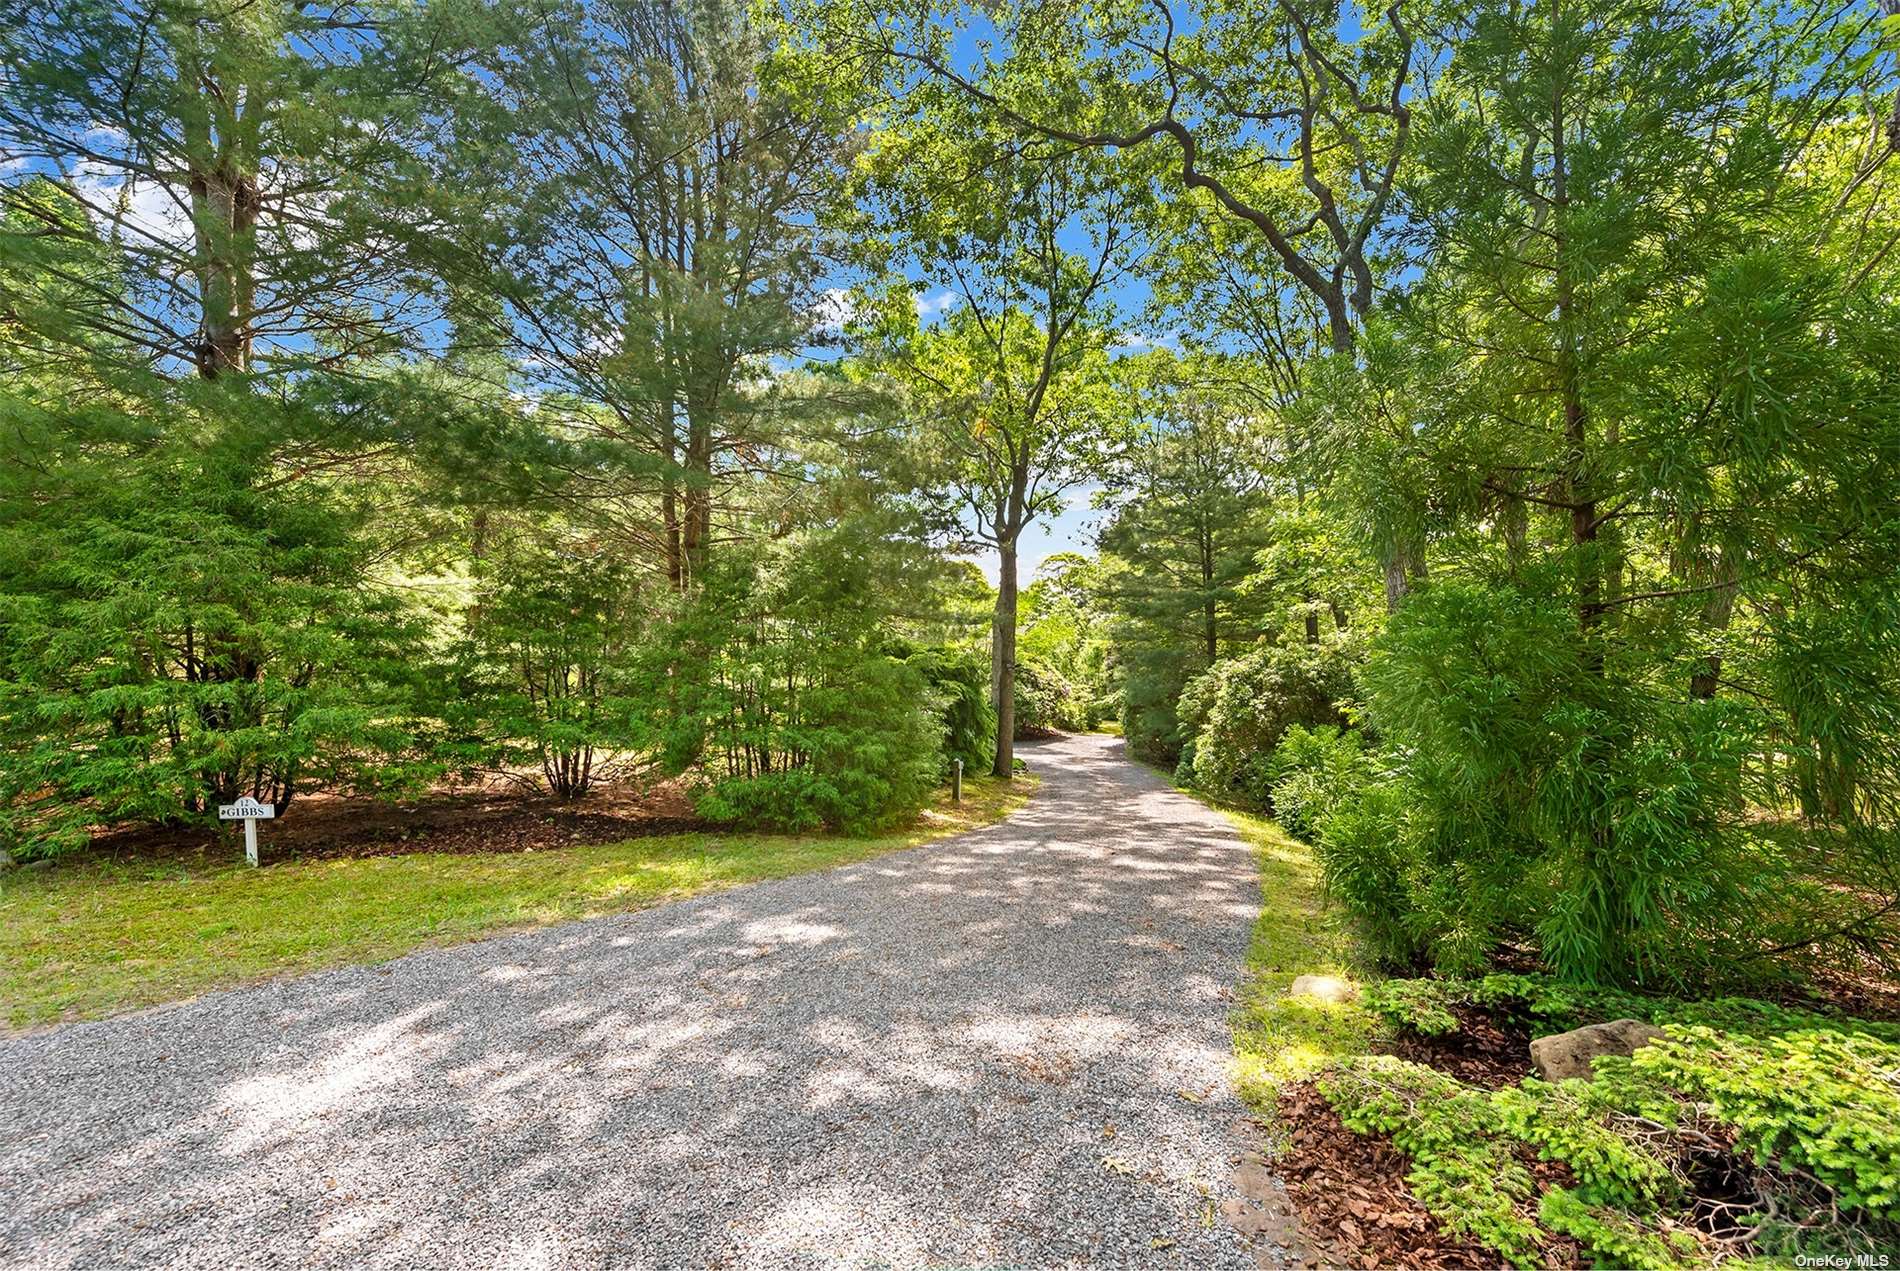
(1010,1047)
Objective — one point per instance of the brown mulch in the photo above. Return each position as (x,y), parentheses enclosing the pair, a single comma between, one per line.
(495,817)
(1485,1051)
(1872,994)
(1349,1190)
(1354,1207)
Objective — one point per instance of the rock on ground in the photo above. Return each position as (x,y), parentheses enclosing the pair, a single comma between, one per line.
(1570,1054)
(1010,1047)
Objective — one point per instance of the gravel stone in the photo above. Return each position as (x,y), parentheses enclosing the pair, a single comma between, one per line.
(1006,1048)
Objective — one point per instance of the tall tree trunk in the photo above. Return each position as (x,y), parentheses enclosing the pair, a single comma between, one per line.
(1210,629)
(1404,560)
(1891,8)
(1614,901)
(672,538)
(224,211)
(222,186)
(1576,463)
(698,494)
(1404,569)
(1717,609)
(1003,659)
(670,528)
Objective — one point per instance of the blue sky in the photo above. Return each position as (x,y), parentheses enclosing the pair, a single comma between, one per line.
(1072,531)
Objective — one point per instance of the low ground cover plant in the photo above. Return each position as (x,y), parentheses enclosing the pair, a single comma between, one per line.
(1746,1129)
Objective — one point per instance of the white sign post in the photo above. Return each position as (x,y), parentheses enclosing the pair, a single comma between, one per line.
(249,811)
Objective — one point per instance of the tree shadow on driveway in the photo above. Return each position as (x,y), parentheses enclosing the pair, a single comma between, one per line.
(1008,1047)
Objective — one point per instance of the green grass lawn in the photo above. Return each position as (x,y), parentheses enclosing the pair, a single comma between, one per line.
(1278,1039)
(92,936)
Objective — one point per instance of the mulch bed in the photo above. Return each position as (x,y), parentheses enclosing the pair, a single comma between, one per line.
(1872,994)
(1355,1210)
(1485,1051)
(1349,1190)
(451,821)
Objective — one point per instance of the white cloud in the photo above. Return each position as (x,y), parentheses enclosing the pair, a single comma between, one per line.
(836,307)
(147,210)
(942,302)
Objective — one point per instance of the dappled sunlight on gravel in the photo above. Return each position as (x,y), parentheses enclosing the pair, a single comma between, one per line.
(1008,1047)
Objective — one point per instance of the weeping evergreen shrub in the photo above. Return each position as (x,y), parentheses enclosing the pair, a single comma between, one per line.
(172,636)
(959,680)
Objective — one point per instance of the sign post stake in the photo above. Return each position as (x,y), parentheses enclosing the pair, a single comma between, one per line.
(249,811)
(956,792)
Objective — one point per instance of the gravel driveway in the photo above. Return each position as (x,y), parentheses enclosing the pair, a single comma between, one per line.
(1009,1047)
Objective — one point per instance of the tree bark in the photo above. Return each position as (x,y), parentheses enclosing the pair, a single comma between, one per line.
(1003,660)
(1577,477)
(1210,629)
(1404,570)
(224,207)
(1717,610)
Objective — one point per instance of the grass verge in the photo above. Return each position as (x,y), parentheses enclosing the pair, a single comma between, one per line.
(1280,1039)
(93,937)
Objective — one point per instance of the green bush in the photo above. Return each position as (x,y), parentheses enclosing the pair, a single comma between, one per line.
(1370,859)
(785,698)
(1184,767)
(1610,1239)
(172,638)
(1417,1006)
(1461,1172)
(1565,1126)
(1546,1004)
(1312,771)
(548,672)
(960,682)
(1542,799)
(1149,717)
(1811,1101)
(1239,709)
(1825,1101)
(1048,702)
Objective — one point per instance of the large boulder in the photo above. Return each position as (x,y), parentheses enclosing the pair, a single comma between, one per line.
(1570,1054)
